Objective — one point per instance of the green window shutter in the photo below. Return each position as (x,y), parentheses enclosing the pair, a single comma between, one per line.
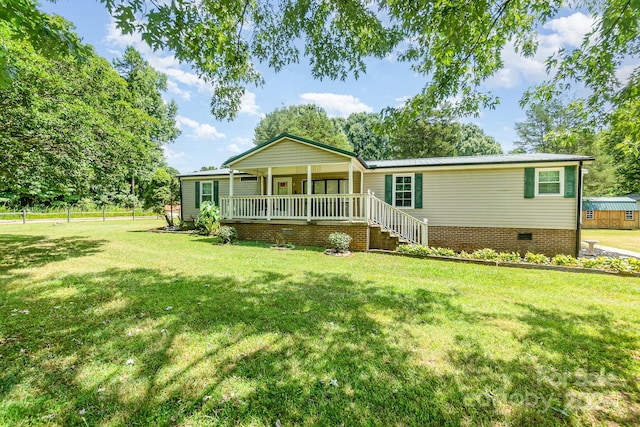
(197,194)
(529,183)
(388,189)
(417,191)
(570,181)
(215,193)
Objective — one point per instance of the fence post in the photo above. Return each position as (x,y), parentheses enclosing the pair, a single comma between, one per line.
(68,214)
(133,214)
(24,216)
(103,215)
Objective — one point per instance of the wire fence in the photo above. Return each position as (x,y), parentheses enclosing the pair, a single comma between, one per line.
(69,215)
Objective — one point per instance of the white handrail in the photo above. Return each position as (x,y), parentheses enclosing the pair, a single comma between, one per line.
(398,222)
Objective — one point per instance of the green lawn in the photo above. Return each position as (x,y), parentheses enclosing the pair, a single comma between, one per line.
(106,324)
(622,239)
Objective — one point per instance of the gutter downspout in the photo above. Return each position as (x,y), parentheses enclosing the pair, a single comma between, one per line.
(181,202)
(579,209)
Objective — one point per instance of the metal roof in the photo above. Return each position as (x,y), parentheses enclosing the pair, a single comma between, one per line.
(634,196)
(223,172)
(609,204)
(477,160)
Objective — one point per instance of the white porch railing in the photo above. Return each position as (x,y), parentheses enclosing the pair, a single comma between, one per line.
(338,207)
(327,207)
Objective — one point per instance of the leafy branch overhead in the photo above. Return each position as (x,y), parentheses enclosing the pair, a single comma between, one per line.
(456,46)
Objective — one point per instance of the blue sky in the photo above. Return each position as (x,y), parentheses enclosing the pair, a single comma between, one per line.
(208,142)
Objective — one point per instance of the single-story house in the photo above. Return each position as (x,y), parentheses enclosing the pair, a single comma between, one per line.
(304,190)
(610,212)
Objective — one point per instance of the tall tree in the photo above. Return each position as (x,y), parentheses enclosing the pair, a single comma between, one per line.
(426,136)
(555,127)
(307,121)
(364,134)
(68,128)
(474,142)
(145,85)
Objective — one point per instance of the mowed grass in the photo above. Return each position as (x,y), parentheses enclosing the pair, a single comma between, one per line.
(107,324)
(621,239)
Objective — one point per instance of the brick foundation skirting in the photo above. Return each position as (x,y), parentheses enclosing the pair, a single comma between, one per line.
(545,241)
(312,234)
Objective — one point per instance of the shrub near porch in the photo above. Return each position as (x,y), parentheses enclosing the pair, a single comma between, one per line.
(99,326)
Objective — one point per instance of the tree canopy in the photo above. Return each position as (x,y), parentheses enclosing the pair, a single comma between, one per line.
(473,142)
(307,121)
(365,136)
(439,135)
(552,126)
(457,46)
(70,129)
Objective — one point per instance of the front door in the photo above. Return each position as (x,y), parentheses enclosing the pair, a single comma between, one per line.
(282,186)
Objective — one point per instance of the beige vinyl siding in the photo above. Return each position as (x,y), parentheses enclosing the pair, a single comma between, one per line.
(240,188)
(483,198)
(289,153)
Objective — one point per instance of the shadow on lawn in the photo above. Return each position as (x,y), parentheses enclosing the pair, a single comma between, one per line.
(24,251)
(219,349)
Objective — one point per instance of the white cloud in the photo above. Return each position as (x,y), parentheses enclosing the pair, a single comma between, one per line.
(172,155)
(240,144)
(199,130)
(566,32)
(174,88)
(570,30)
(402,101)
(248,104)
(336,104)
(623,74)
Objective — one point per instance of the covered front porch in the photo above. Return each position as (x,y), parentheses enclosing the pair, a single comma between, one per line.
(297,180)
(307,182)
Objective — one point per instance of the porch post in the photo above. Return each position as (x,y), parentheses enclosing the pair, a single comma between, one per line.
(230,213)
(269,191)
(351,199)
(261,185)
(309,187)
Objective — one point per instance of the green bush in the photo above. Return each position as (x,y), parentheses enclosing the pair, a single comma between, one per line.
(486,253)
(532,258)
(208,218)
(415,250)
(565,260)
(508,257)
(443,252)
(339,241)
(634,263)
(227,234)
(602,263)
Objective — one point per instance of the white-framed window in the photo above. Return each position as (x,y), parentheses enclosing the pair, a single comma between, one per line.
(403,190)
(327,186)
(549,182)
(588,215)
(628,215)
(206,191)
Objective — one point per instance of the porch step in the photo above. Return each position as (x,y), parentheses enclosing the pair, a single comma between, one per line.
(390,233)
(381,238)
